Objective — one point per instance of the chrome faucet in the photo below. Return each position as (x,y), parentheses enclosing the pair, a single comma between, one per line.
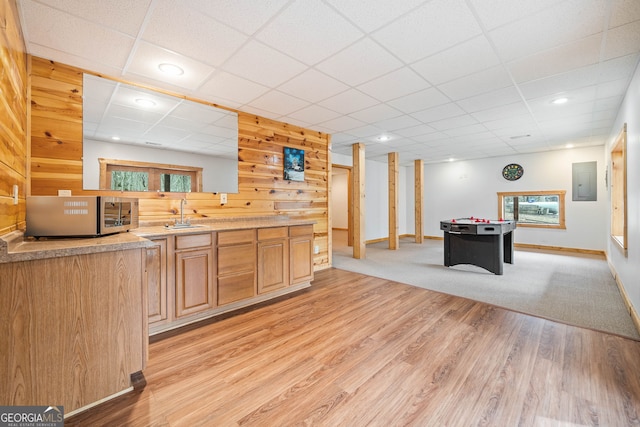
(182,203)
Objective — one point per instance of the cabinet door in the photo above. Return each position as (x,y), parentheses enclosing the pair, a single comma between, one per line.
(194,281)
(273,265)
(157,280)
(301,268)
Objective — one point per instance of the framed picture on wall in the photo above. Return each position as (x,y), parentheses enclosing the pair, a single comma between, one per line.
(293,164)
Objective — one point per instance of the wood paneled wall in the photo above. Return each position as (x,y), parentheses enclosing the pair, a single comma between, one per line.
(56,161)
(13,118)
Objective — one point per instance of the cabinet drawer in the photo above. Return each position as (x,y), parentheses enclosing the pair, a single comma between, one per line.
(235,237)
(236,287)
(193,241)
(236,259)
(301,230)
(272,233)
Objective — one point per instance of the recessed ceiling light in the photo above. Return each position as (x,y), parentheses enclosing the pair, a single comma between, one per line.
(451,159)
(559,101)
(172,69)
(144,102)
(383,138)
(115,138)
(569,145)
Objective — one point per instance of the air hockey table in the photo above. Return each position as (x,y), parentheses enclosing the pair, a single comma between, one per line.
(480,242)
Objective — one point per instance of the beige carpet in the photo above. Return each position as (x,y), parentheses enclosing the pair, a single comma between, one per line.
(575,289)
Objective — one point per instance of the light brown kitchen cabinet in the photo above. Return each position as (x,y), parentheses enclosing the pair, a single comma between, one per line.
(73,329)
(195,289)
(192,276)
(301,253)
(273,259)
(236,251)
(156,277)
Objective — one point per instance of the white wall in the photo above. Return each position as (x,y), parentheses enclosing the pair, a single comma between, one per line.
(469,188)
(340,200)
(628,267)
(218,175)
(377,197)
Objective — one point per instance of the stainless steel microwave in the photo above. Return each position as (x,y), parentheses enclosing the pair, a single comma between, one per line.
(80,216)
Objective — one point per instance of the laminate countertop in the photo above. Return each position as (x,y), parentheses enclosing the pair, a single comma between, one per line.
(200,226)
(15,247)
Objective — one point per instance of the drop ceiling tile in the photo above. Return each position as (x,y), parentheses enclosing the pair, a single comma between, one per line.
(376,13)
(610,103)
(517,132)
(58,31)
(313,86)
(500,97)
(577,99)
(524,121)
(274,67)
(563,23)
(624,12)
(557,60)
(278,102)
(340,138)
(401,82)
(376,113)
(458,61)
(348,102)
(615,88)
(77,61)
(623,40)
(431,137)
(469,135)
(419,101)
(397,123)
(618,68)
(366,131)
(124,16)
(342,124)
(145,63)
(440,112)
(314,31)
(247,16)
(222,85)
(413,131)
(359,63)
(502,112)
(454,122)
(175,26)
(433,27)
(560,83)
(496,13)
(481,82)
(313,114)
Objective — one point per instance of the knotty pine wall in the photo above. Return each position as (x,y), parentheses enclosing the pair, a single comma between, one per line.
(13,118)
(56,161)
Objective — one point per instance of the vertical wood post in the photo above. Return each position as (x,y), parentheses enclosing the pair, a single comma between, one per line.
(359,246)
(329,211)
(418,171)
(394,239)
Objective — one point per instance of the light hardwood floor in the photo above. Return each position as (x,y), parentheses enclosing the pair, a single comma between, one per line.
(354,350)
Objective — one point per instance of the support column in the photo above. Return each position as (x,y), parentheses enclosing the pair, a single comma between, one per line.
(418,171)
(359,246)
(394,238)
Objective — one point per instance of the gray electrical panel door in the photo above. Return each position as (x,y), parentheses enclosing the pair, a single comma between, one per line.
(584,181)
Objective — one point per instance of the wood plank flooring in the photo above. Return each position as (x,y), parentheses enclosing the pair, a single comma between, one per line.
(355,350)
